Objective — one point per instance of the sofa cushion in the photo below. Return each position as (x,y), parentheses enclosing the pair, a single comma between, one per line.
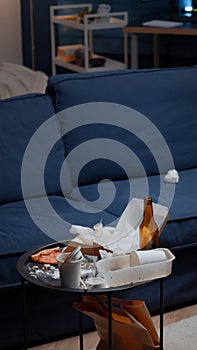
(152,93)
(99,151)
(20,118)
(107,140)
(18,232)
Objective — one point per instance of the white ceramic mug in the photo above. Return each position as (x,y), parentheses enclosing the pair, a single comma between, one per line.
(104,9)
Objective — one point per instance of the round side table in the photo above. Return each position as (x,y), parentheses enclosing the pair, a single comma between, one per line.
(23,265)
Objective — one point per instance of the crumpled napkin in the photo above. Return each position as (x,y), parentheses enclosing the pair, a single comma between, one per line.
(111,238)
(125,237)
(121,239)
(172,176)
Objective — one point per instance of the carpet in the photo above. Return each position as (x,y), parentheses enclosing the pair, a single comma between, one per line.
(181,335)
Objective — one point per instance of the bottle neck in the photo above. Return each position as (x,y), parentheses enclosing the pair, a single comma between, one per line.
(148,209)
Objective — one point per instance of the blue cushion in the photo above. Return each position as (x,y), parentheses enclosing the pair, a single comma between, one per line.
(167,97)
(20,117)
(102,149)
(18,232)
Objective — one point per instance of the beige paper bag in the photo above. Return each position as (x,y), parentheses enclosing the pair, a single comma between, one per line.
(128,330)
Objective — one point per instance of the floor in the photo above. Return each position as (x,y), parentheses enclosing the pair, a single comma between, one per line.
(91,339)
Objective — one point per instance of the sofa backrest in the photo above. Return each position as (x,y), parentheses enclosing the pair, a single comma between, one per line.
(20,118)
(167,97)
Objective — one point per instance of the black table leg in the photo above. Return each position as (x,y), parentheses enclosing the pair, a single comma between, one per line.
(109,321)
(81,330)
(161,312)
(24,313)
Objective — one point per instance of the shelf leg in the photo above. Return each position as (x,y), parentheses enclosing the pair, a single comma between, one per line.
(91,42)
(86,47)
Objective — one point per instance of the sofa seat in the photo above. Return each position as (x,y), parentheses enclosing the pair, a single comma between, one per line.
(18,232)
(181,228)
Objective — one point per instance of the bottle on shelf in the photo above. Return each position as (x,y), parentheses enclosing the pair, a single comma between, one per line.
(149,233)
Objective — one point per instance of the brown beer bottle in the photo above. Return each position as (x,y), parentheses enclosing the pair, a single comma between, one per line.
(149,233)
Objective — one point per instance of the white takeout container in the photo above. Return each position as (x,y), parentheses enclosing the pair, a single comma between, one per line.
(126,269)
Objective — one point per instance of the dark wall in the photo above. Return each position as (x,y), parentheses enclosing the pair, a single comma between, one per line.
(137,9)
(41,18)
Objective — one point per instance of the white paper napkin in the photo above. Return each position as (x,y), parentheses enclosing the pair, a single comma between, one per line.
(109,237)
(172,176)
(124,237)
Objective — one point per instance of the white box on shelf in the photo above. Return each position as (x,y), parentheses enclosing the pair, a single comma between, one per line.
(67,53)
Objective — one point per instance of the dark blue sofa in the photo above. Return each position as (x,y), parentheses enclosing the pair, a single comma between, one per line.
(167,100)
